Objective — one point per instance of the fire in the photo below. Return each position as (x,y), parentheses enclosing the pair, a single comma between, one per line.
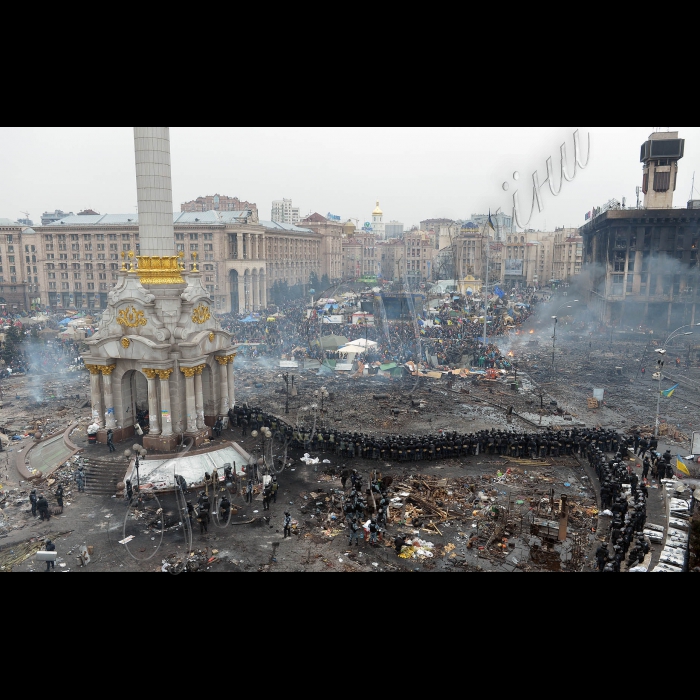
(532,332)
(510,354)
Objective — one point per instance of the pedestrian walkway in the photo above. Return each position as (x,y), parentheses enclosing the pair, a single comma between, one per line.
(47,455)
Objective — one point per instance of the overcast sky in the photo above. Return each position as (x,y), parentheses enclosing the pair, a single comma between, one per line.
(415,172)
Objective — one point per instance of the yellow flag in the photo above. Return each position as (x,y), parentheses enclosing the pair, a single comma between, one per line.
(682,468)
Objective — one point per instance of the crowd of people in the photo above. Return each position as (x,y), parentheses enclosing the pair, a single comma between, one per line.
(624,495)
(448,333)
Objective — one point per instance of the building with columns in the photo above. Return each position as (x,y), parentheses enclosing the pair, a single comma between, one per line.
(78,258)
(331,233)
(159,347)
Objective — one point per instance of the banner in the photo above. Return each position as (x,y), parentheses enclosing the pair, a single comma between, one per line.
(514,268)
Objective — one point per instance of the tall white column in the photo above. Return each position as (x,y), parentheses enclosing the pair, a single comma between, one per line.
(154,186)
(96,395)
(166,413)
(153,407)
(254,293)
(223,385)
(199,397)
(191,403)
(231,382)
(241,295)
(111,419)
(263,291)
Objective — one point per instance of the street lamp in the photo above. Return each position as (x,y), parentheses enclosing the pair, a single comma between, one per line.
(661,363)
(556,321)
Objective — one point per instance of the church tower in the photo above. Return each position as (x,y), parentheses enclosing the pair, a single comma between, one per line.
(378,226)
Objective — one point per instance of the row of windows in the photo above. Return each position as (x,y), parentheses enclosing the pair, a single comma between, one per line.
(62,237)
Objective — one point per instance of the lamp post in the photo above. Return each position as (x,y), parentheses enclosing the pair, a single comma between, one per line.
(661,363)
(556,321)
(285,377)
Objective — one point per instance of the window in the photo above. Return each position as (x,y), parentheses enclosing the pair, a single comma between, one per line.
(662,182)
(194,236)
(630,284)
(126,237)
(179,236)
(113,246)
(126,248)
(100,236)
(208,236)
(112,236)
(74,237)
(194,247)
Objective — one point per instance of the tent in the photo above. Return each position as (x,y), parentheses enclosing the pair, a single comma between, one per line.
(250,319)
(332,342)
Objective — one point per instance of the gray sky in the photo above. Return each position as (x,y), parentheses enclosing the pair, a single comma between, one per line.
(415,172)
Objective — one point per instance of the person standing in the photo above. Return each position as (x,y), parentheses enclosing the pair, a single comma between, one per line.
(43,508)
(354,532)
(50,547)
(203,521)
(59,496)
(33,500)
(275,489)
(110,441)
(249,492)
(80,480)
(287,525)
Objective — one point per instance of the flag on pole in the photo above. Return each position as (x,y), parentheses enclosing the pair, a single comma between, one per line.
(680,466)
(668,394)
(499,292)
(491,224)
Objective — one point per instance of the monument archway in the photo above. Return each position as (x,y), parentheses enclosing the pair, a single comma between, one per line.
(134,393)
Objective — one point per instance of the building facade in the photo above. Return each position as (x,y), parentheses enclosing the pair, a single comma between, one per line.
(19,268)
(240,259)
(644,267)
(361,256)
(284,212)
(567,255)
(394,229)
(218,202)
(331,233)
(410,259)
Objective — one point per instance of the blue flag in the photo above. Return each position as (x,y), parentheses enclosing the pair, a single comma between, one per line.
(499,292)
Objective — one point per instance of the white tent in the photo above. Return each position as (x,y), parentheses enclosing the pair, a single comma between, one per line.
(363,343)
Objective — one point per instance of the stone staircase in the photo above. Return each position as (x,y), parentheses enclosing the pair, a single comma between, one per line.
(102,476)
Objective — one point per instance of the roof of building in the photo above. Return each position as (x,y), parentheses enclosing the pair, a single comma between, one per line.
(8,222)
(208,217)
(284,227)
(377,211)
(316,219)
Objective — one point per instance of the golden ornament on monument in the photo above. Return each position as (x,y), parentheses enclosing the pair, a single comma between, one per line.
(201,315)
(131,318)
(126,343)
(212,337)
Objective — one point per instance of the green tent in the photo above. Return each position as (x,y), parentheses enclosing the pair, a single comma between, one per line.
(332,342)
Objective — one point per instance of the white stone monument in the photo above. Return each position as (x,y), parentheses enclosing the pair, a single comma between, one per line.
(159,348)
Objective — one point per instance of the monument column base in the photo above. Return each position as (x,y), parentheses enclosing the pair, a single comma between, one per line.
(119,435)
(200,437)
(158,443)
